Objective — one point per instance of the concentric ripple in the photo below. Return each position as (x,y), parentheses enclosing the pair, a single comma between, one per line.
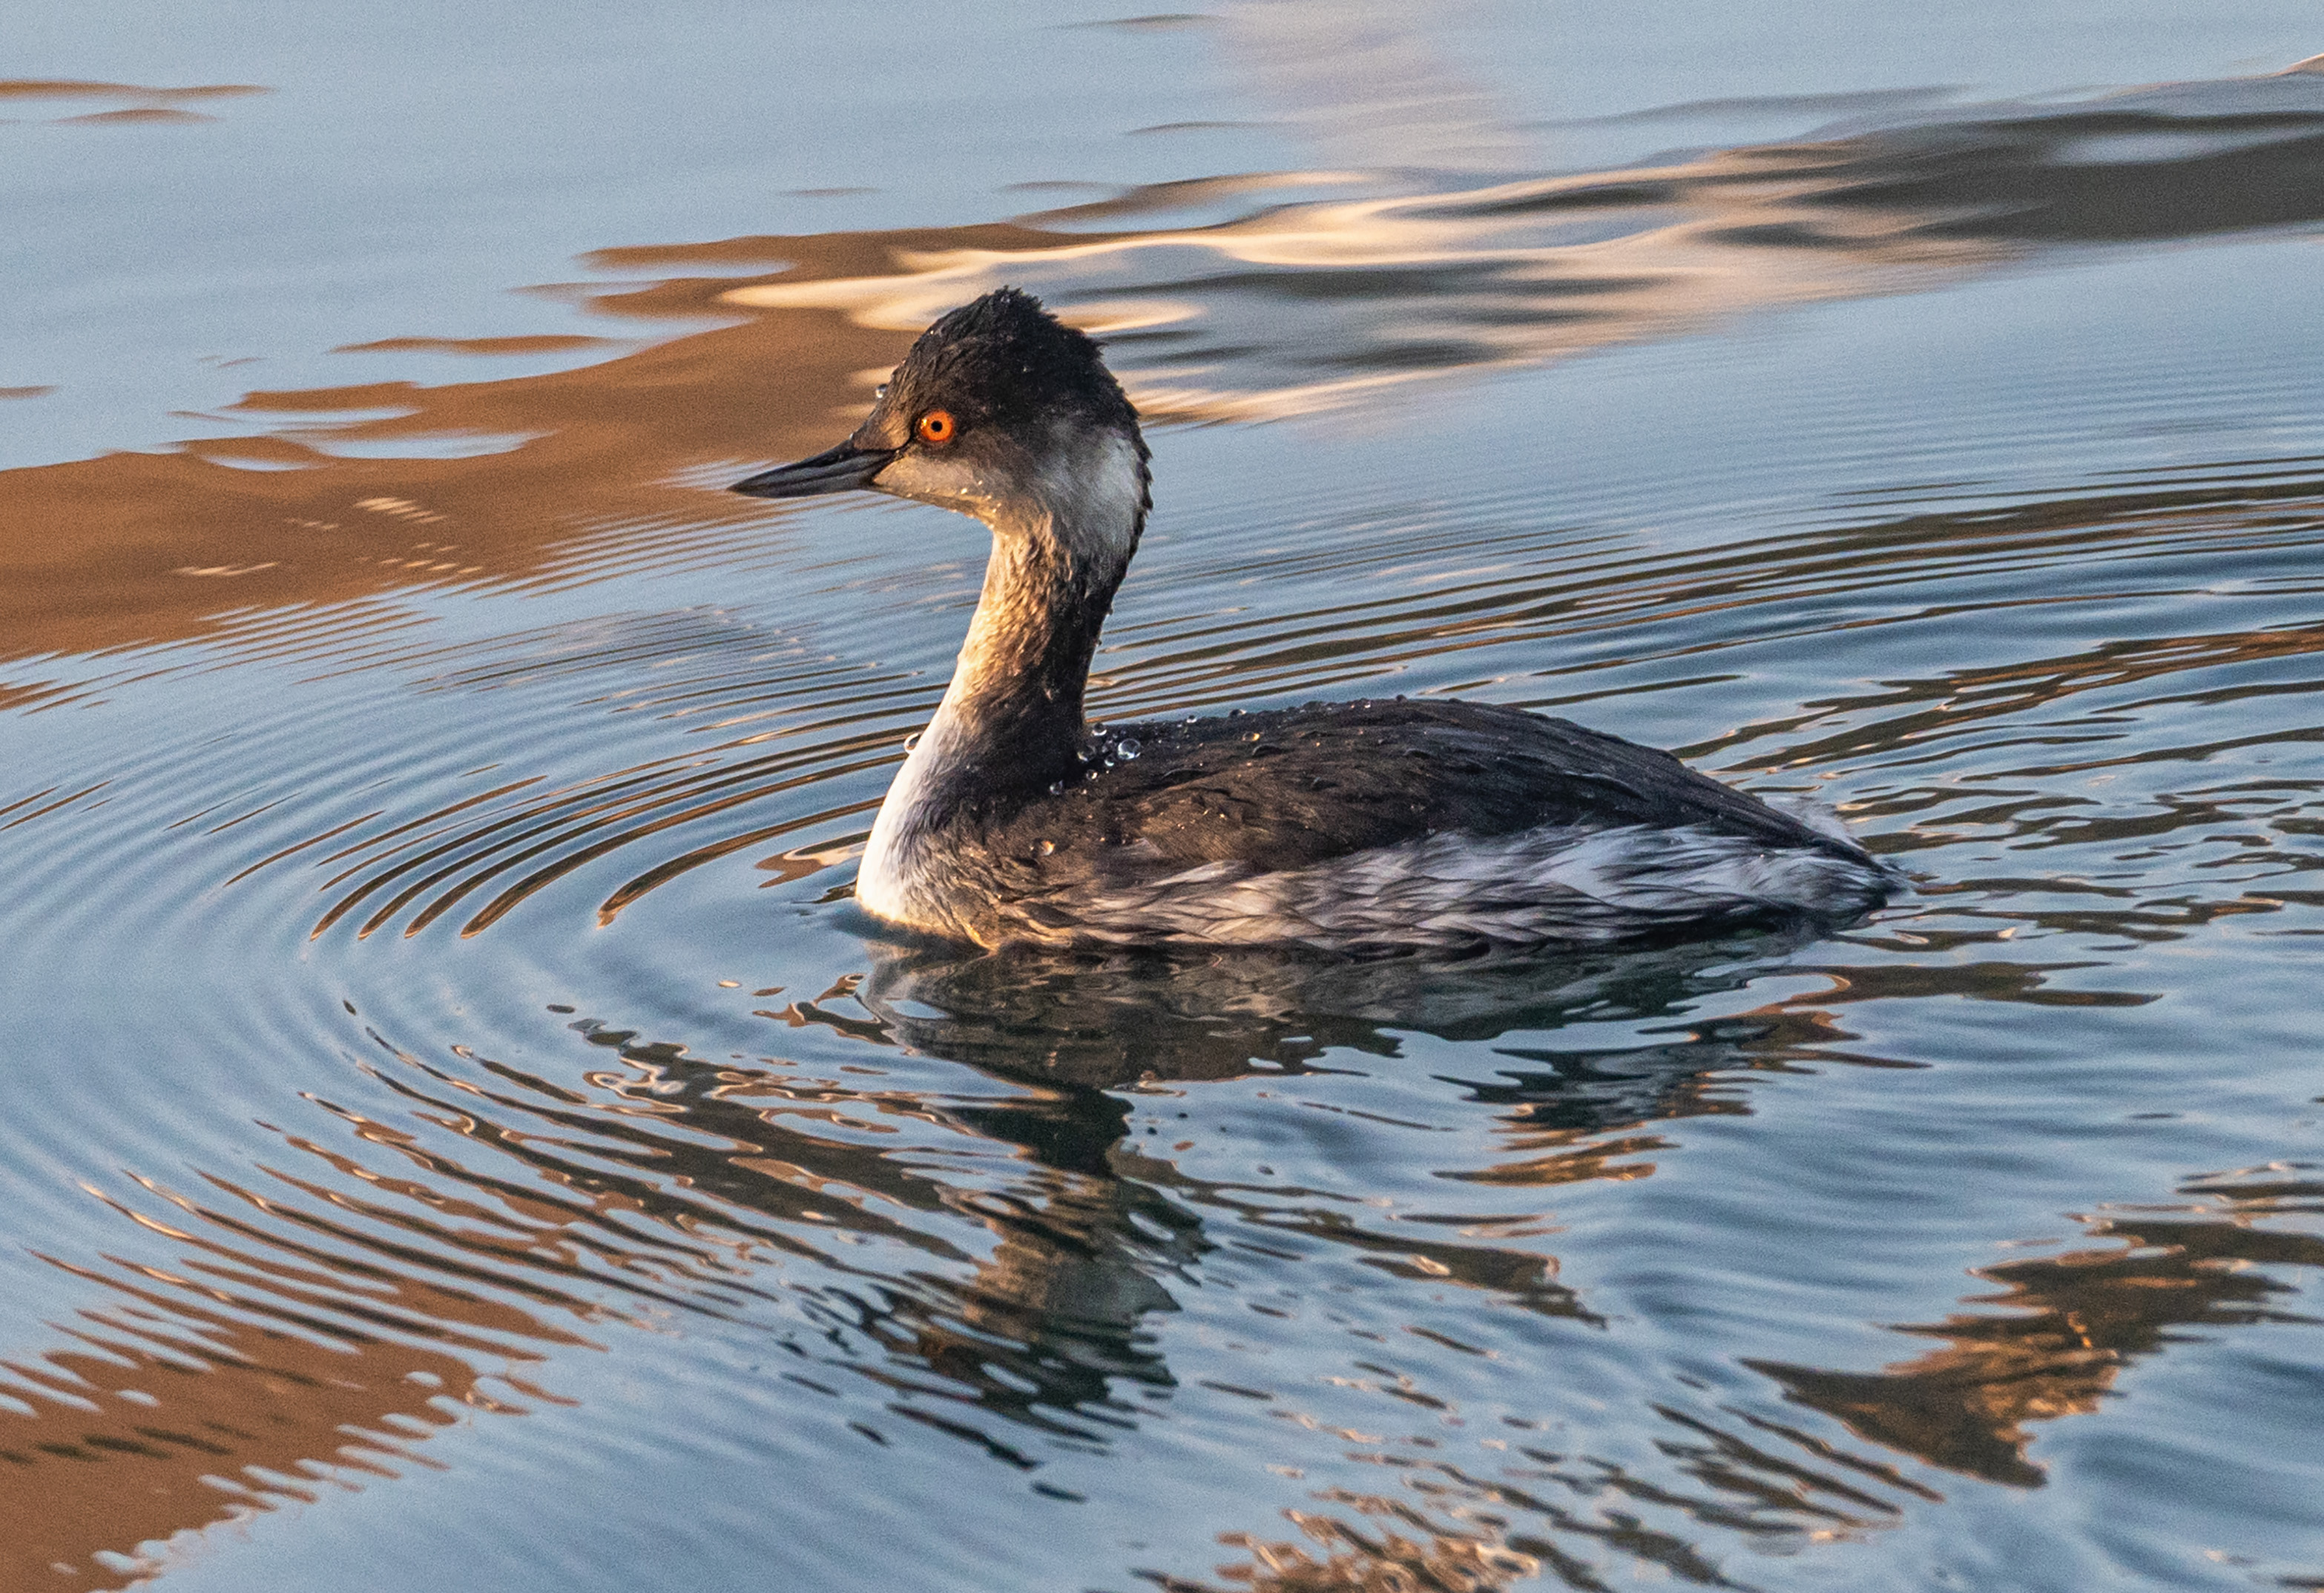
(458,1127)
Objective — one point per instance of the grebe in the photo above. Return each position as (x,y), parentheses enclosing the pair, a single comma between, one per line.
(1343,827)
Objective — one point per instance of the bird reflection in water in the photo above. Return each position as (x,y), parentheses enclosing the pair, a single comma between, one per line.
(1091,1243)
(989,1252)
(506,1217)
(1092,1237)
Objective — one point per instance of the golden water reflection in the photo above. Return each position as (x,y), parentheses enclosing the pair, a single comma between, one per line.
(315,1327)
(2064,1327)
(315,1324)
(1254,309)
(999,1250)
(253,1370)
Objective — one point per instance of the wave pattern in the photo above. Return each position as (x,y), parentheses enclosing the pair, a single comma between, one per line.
(771,743)
(446,1080)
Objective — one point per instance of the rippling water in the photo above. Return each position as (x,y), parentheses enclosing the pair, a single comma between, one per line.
(460,1132)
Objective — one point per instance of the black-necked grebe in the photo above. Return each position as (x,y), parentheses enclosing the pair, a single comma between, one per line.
(1343,826)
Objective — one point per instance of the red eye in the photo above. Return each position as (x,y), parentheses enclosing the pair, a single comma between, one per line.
(937,426)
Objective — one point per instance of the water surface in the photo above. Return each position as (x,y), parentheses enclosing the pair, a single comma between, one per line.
(460,1131)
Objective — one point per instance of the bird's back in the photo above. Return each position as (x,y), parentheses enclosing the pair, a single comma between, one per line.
(1319,824)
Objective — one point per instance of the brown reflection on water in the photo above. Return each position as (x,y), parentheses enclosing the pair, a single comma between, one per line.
(128,1446)
(315,1323)
(255,1370)
(1572,1517)
(141,105)
(162,547)
(1295,306)
(2074,1322)
(1394,1550)
(988,1266)
(538,344)
(1247,312)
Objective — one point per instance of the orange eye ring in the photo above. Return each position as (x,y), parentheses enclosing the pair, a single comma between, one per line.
(936,428)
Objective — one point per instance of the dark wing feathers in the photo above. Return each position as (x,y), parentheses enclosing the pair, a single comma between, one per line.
(1288,788)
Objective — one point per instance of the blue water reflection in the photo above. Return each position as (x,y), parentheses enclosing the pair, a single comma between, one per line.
(459,1128)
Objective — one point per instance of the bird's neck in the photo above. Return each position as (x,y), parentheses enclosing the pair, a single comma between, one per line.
(1010,725)
(1012,718)
(1014,708)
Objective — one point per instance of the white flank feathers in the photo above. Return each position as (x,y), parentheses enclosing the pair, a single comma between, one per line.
(1569,885)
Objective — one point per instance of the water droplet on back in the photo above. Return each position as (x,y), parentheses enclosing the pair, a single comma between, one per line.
(1047,847)
(1127,748)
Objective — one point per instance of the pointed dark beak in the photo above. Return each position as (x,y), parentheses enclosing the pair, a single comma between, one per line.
(835,470)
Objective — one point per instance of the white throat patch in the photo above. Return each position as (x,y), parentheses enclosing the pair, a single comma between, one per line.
(1096,495)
